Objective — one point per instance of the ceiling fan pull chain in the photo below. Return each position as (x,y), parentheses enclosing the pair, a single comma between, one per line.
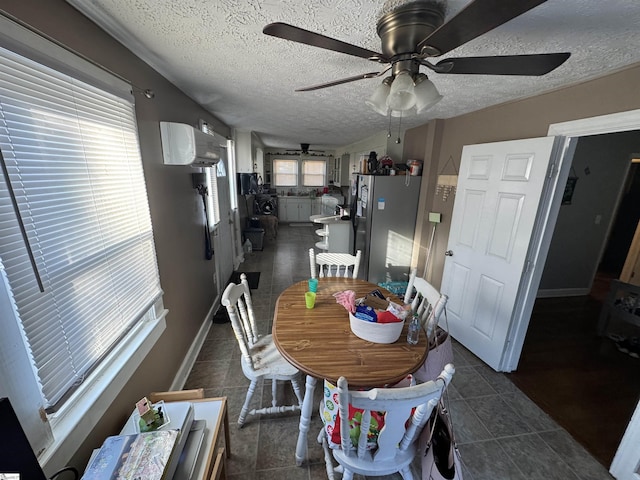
(389,127)
(399,127)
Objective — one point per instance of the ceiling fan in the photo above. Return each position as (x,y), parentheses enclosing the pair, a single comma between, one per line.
(304,149)
(414,32)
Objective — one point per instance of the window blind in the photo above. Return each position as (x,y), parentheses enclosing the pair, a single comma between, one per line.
(313,173)
(285,173)
(72,158)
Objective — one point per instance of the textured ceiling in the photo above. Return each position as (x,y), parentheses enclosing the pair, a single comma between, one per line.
(215,51)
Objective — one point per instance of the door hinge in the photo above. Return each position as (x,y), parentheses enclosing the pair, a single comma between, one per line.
(553,170)
(528,266)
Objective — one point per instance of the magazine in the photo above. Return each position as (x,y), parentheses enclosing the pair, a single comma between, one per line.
(132,457)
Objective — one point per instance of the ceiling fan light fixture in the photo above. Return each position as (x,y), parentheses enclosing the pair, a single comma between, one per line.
(426,93)
(378,100)
(404,113)
(401,95)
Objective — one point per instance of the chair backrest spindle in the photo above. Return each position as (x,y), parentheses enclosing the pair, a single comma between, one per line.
(237,300)
(406,411)
(328,264)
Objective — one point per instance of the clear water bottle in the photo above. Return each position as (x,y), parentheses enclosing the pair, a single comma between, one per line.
(413,332)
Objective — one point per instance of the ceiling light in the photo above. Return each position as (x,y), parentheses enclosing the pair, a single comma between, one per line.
(404,113)
(404,95)
(378,100)
(401,95)
(426,93)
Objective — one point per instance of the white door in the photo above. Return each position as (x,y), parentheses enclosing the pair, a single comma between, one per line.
(223,242)
(498,195)
(626,463)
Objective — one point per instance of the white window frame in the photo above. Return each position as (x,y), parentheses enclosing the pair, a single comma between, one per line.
(306,177)
(211,175)
(294,173)
(79,415)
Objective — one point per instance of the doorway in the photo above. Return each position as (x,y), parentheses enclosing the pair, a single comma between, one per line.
(565,367)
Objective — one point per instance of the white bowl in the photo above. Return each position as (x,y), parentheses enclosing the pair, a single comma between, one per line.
(375,332)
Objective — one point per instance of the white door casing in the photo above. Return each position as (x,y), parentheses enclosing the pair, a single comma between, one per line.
(222,240)
(499,191)
(626,462)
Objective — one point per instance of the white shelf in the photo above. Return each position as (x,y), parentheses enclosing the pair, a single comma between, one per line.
(322,245)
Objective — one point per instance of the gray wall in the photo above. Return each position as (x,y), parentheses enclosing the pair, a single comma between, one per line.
(578,242)
(440,140)
(176,208)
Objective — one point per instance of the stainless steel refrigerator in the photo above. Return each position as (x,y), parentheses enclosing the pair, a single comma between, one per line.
(383,211)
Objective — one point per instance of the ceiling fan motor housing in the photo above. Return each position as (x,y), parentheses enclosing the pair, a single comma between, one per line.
(402,29)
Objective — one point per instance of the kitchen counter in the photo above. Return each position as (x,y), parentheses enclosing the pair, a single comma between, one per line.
(326,220)
(337,233)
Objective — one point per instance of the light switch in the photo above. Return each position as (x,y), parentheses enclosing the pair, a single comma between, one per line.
(435,217)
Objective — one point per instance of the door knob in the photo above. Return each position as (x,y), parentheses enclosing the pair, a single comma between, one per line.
(448,253)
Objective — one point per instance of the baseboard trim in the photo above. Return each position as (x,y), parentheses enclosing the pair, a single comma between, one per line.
(190,358)
(562,292)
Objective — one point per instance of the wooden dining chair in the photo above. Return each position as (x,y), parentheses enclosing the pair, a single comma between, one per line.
(430,304)
(260,358)
(327,264)
(405,412)
(426,301)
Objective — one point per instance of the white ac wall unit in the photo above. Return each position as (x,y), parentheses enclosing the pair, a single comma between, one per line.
(183,144)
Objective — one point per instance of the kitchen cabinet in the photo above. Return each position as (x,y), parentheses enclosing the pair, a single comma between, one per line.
(345,170)
(283,209)
(267,168)
(316,206)
(304,209)
(341,170)
(297,209)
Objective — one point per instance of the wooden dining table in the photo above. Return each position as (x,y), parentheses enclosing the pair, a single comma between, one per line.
(319,342)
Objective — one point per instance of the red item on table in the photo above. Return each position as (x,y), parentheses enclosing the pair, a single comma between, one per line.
(387,317)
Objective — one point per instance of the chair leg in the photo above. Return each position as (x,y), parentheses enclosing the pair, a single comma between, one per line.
(274,395)
(247,400)
(406,473)
(322,439)
(295,383)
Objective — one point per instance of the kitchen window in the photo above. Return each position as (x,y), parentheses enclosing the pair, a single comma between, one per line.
(285,173)
(314,173)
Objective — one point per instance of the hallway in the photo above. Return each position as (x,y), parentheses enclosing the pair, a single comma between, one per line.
(572,374)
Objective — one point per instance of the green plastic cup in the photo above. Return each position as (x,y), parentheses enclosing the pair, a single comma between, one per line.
(313,285)
(310,299)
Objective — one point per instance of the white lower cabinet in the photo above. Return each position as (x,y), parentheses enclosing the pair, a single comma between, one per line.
(297,209)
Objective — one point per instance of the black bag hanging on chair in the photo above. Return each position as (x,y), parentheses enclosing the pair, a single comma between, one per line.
(441,460)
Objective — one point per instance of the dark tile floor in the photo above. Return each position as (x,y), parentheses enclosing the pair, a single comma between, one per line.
(501,434)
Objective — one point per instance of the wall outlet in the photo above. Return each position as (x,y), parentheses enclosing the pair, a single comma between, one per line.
(435,217)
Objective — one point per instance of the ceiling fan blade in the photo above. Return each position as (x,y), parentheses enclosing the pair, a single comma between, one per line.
(297,34)
(340,82)
(477,18)
(534,65)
